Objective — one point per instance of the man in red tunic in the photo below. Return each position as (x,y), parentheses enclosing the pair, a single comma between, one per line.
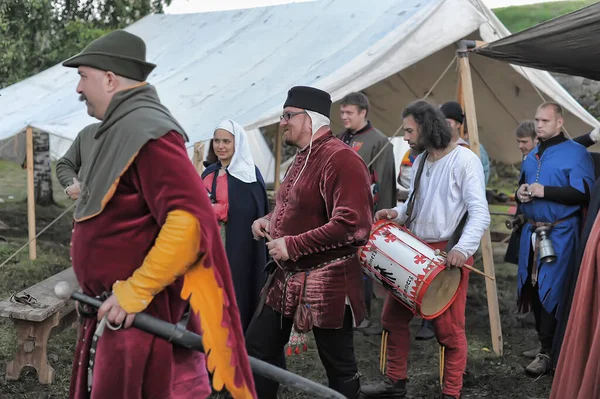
(322,215)
(145,239)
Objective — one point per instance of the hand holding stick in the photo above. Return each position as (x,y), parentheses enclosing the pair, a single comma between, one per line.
(267,236)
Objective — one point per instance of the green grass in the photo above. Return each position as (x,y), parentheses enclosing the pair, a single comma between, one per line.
(13,182)
(518,18)
(21,273)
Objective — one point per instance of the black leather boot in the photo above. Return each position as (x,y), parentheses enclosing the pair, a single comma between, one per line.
(386,389)
(349,388)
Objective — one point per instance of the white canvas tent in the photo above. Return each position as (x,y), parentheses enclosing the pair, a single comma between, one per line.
(240,64)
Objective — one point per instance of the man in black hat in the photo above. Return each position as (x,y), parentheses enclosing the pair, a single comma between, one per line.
(455,118)
(145,239)
(321,217)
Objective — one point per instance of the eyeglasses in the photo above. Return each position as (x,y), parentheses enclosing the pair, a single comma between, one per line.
(288,115)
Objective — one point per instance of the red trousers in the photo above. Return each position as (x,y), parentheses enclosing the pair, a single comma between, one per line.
(449,331)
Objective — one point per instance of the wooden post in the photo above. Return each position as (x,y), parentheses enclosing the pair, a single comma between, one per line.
(278,145)
(461,100)
(198,157)
(30,195)
(486,242)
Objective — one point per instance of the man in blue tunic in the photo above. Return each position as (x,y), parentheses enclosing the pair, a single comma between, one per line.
(555,184)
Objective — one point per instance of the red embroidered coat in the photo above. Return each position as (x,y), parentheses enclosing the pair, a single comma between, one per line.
(325,216)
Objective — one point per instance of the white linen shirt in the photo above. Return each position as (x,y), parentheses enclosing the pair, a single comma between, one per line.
(455,185)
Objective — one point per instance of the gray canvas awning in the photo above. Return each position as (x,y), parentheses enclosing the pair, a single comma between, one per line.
(567,44)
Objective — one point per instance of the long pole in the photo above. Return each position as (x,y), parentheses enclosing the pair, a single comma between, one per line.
(182,337)
(30,195)
(486,241)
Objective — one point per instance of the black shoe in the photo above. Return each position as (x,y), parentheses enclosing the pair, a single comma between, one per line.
(349,388)
(426,332)
(444,396)
(386,389)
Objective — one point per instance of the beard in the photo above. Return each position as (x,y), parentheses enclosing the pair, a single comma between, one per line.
(414,152)
(422,144)
(286,138)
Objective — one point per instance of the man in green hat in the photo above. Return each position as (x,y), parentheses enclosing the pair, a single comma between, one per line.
(145,239)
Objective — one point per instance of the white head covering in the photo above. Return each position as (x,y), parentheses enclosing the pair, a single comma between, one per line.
(317,121)
(242,165)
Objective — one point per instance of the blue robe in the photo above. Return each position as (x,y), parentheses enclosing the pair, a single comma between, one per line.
(563,164)
(247,257)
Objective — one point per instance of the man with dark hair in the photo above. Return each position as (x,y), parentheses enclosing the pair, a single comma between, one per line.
(368,141)
(323,214)
(373,147)
(555,184)
(526,137)
(145,239)
(447,191)
(455,117)
(527,141)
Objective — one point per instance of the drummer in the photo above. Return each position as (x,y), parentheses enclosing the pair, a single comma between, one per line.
(447,193)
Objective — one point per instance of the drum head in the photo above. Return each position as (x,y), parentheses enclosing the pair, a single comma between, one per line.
(441,292)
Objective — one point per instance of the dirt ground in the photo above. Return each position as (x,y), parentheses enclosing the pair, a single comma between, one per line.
(488,376)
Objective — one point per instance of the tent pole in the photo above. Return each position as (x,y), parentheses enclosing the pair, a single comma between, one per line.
(486,242)
(278,144)
(30,195)
(461,100)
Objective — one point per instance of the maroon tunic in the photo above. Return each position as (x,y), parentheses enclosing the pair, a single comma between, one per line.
(577,375)
(129,363)
(324,218)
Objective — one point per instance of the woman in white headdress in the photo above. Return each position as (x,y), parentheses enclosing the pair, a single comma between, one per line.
(238,193)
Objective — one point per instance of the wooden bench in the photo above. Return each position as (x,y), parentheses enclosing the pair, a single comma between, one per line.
(35,323)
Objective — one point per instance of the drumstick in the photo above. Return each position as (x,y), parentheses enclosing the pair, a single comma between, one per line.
(267,236)
(471,268)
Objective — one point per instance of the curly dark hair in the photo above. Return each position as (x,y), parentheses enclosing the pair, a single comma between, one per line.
(434,131)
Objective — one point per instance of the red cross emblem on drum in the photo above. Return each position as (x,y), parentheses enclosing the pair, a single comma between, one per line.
(390,237)
(419,259)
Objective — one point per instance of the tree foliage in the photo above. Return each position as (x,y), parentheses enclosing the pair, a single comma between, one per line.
(37,34)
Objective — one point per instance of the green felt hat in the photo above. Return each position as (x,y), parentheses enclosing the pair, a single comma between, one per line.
(119,51)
